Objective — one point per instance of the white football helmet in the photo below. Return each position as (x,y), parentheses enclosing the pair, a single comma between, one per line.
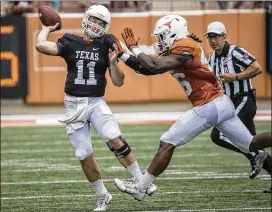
(168,29)
(92,29)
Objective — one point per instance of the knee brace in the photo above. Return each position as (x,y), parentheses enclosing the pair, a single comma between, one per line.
(122,151)
(82,154)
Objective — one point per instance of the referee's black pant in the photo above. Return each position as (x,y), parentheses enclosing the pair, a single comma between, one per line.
(245,107)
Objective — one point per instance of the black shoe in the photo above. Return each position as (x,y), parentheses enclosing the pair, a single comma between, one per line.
(257,163)
(268,191)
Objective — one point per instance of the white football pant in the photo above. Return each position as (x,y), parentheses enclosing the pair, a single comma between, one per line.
(219,113)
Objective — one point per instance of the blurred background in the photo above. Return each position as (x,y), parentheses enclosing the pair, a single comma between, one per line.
(32,80)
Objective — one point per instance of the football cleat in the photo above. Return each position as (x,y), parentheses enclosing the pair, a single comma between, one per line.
(268,191)
(131,189)
(150,191)
(102,202)
(257,163)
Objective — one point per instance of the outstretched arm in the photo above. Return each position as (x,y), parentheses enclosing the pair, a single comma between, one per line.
(132,62)
(43,45)
(163,64)
(155,65)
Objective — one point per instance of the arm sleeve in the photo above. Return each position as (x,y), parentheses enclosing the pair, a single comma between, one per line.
(133,63)
(242,58)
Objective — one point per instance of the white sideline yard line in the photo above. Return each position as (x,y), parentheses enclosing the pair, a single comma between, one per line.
(122,118)
(21,144)
(167,172)
(116,168)
(14,151)
(130,134)
(114,194)
(112,157)
(121,169)
(263,177)
(96,137)
(51,150)
(96,141)
(211,209)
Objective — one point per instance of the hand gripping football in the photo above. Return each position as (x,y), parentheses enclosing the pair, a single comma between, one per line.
(49,17)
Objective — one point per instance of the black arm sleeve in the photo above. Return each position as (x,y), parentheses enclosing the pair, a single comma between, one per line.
(133,63)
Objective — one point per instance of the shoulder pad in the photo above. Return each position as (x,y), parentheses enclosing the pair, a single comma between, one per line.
(183,46)
(66,38)
(72,37)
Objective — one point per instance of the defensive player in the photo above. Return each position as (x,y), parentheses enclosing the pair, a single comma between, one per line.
(185,58)
(87,60)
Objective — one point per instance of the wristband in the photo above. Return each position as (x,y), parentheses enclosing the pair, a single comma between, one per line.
(236,77)
(136,51)
(124,57)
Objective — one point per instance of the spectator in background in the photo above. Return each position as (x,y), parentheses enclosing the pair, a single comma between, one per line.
(268,7)
(142,6)
(56,5)
(252,5)
(202,4)
(129,6)
(4,6)
(117,6)
(73,6)
(21,7)
(223,4)
(105,3)
(237,5)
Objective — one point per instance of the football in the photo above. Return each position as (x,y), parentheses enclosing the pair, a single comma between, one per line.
(49,17)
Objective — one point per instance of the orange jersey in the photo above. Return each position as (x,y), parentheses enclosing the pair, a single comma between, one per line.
(199,91)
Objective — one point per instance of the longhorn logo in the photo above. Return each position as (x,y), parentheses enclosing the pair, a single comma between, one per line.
(168,24)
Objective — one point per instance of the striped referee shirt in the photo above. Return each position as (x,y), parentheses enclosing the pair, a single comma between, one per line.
(234,60)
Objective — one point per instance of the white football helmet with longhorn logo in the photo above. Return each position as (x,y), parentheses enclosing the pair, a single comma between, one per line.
(93,30)
(168,29)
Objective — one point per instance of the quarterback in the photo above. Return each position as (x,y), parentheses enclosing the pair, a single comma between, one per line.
(88,59)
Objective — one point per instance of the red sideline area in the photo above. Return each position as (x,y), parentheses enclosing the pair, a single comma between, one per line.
(122,118)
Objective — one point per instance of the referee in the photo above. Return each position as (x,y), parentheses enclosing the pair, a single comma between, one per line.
(234,67)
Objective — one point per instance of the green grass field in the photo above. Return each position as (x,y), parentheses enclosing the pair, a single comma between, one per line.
(40,173)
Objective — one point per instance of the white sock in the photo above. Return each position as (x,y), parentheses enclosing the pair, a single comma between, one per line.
(135,170)
(99,187)
(145,181)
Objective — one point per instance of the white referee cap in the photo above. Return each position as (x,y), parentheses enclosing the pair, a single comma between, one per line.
(216,27)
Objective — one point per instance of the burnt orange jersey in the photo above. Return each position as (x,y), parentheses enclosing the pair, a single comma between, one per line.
(199,91)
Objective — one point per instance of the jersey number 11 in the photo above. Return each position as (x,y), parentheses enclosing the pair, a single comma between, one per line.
(91,76)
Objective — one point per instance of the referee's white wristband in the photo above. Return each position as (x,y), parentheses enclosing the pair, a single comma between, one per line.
(124,57)
(136,51)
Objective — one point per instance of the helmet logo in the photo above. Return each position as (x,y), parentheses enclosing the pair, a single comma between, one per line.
(168,24)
